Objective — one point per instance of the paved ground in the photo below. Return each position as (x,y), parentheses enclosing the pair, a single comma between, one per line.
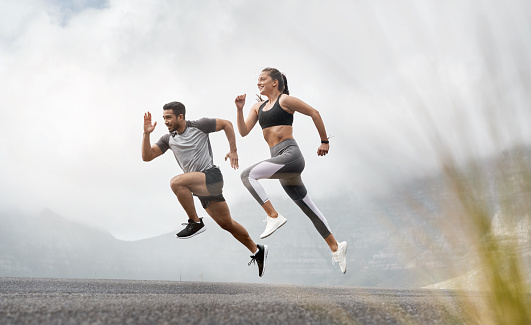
(79,301)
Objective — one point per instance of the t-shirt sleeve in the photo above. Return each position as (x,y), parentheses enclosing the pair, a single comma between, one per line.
(205,124)
(164,143)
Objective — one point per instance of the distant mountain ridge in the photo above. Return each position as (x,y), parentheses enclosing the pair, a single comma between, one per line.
(393,241)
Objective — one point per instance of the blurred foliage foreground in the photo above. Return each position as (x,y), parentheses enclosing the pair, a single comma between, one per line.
(497,233)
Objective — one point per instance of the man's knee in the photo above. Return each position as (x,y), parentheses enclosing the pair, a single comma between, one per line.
(226,225)
(219,211)
(176,182)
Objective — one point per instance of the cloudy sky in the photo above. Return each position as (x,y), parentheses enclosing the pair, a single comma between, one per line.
(390,78)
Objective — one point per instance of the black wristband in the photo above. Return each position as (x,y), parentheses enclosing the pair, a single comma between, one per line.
(325,141)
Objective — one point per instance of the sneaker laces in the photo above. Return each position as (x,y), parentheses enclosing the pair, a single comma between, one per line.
(190,223)
(253,260)
(335,259)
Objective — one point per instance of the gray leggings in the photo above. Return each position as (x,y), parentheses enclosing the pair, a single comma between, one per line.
(286,164)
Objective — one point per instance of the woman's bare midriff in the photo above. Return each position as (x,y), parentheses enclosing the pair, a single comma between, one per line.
(276,134)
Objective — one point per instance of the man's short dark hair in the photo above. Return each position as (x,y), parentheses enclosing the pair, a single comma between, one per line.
(177,108)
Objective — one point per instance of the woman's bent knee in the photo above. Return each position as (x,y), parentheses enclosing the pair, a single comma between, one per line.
(244,176)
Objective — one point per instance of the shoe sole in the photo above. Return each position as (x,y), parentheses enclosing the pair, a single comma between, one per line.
(266,250)
(192,235)
(262,236)
(345,258)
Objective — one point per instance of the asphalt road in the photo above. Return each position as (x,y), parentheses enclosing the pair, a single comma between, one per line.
(81,301)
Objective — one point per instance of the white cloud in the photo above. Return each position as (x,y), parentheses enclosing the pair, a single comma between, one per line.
(78,76)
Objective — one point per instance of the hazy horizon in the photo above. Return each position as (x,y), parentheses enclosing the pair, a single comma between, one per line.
(392,81)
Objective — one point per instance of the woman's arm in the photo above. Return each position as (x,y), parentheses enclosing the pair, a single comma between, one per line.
(245,126)
(293,104)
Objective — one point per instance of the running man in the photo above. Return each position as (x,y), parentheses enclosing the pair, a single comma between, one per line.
(190,143)
(275,116)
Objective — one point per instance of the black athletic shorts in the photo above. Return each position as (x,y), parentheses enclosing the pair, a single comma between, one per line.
(214,183)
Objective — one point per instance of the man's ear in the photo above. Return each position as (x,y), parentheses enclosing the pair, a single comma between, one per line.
(180,117)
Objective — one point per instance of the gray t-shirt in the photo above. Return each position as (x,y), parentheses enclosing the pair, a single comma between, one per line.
(192,147)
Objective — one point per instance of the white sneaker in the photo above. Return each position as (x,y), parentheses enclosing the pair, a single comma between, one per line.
(340,256)
(272,225)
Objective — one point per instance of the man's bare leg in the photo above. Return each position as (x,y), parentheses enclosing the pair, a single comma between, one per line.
(184,185)
(219,211)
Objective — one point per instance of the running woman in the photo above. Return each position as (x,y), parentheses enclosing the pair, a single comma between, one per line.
(275,116)
(190,143)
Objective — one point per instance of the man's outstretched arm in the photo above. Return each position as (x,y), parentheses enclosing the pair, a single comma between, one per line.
(149,152)
(229,132)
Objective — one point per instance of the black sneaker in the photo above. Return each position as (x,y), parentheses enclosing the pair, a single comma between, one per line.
(192,228)
(260,258)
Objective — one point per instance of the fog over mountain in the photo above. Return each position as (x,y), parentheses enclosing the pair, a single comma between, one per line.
(401,86)
(394,241)
(386,76)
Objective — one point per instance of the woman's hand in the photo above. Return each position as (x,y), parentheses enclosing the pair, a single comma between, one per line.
(240,101)
(323,149)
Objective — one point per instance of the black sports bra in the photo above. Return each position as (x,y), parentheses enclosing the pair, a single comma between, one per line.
(274,116)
